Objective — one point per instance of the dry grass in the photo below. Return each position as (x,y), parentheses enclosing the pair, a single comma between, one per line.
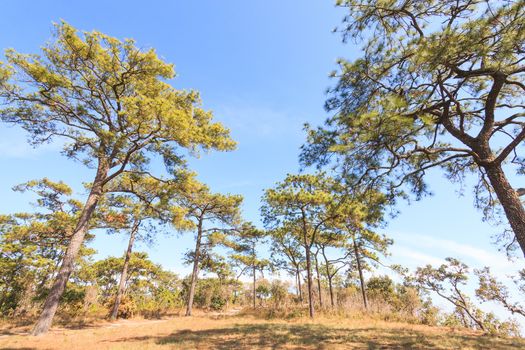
(248,332)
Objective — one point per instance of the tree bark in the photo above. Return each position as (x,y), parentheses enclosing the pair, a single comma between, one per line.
(510,201)
(300,291)
(124,275)
(254,278)
(59,285)
(329,277)
(331,289)
(361,278)
(309,281)
(318,281)
(195,269)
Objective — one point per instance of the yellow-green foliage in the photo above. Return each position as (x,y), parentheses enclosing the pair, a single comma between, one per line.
(107,97)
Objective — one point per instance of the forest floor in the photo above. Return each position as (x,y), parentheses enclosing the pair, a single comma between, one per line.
(248,332)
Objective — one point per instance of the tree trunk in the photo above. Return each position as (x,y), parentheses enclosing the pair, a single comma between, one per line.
(124,274)
(254,277)
(361,278)
(309,281)
(318,281)
(59,285)
(330,287)
(510,201)
(195,269)
(254,280)
(299,285)
(298,293)
(329,277)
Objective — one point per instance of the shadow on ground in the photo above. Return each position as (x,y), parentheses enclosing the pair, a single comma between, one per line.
(280,336)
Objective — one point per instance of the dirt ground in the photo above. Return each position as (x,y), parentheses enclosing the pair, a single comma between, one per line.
(248,332)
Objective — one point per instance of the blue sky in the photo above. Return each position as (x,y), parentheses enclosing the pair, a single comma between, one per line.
(262,67)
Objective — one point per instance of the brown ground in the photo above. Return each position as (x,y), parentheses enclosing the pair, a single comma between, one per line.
(246,332)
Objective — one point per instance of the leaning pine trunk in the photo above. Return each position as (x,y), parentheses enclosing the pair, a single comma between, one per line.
(124,274)
(510,201)
(59,285)
(361,278)
(309,281)
(195,269)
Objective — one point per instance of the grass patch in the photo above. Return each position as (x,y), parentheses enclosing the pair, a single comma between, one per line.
(248,332)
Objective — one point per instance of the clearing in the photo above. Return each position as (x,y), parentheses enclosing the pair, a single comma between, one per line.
(248,332)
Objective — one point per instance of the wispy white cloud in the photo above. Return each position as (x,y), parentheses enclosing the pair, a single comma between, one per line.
(447,247)
(414,257)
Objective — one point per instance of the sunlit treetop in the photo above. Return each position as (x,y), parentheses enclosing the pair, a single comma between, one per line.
(108,98)
(321,200)
(202,205)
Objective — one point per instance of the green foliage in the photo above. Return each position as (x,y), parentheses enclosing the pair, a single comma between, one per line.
(150,290)
(279,293)
(314,211)
(381,287)
(304,205)
(111,102)
(215,263)
(285,251)
(447,281)
(439,84)
(244,243)
(31,244)
(263,290)
(201,204)
(211,293)
(490,289)
(403,299)
(109,98)
(214,215)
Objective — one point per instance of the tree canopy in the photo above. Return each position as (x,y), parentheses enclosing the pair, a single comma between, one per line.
(439,84)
